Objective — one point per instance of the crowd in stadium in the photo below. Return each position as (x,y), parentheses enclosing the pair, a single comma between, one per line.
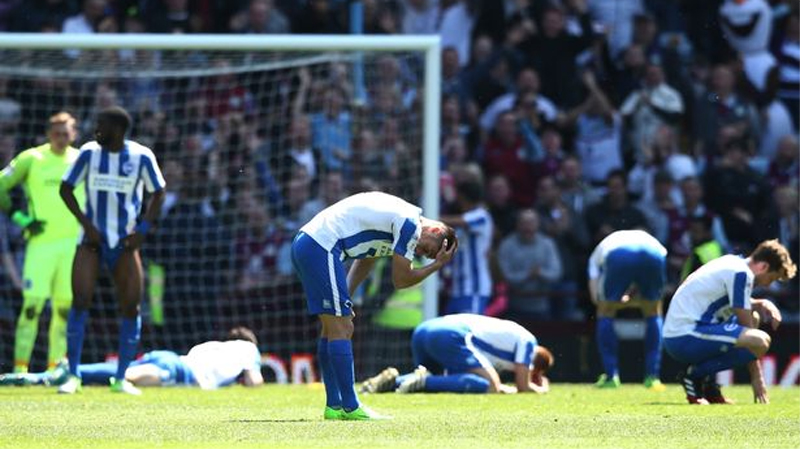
(581,116)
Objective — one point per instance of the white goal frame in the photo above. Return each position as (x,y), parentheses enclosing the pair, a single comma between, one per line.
(429,44)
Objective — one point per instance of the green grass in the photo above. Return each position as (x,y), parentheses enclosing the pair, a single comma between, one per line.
(571,416)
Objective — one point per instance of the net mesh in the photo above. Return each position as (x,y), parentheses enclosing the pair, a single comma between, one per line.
(231,132)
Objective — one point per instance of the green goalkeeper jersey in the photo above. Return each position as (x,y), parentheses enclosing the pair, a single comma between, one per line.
(39,170)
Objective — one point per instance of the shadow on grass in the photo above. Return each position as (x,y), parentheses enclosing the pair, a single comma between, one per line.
(252,421)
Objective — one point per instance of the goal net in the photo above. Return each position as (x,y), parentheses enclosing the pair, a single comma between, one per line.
(252,141)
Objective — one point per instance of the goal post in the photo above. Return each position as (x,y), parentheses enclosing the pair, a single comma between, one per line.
(324,47)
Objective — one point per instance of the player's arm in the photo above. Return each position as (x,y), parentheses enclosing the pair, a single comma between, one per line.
(252,378)
(12,175)
(456,221)
(405,275)
(359,271)
(155,185)
(522,378)
(768,312)
(495,386)
(92,235)
(760,395)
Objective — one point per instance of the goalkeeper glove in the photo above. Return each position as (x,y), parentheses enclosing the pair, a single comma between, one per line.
(29,224)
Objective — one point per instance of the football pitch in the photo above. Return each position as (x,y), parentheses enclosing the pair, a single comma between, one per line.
(277,416)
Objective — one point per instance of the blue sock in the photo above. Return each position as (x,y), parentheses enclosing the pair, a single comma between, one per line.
(652,346)
(76,327)
(733,358)
(129,334)
(607,344)
(457,383)
(333,396)
(98,373)
(341,356)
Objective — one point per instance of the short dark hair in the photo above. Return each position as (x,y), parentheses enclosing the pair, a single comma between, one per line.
(450,236)
(242,333)
(617,173)
(117,116)
(706,220)
(471,190)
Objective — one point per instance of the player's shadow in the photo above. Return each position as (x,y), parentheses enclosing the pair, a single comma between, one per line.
(256,421)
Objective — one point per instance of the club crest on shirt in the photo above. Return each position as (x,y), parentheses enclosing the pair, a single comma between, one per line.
(127,168)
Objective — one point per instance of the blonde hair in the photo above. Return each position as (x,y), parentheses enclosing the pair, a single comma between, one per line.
(62,118)
(777,257)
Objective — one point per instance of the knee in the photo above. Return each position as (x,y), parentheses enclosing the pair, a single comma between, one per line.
(760,342)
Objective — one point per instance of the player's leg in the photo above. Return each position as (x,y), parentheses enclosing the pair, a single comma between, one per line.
(97,373)
(61,301)
(128,283)
(37,274)
(85,268)
(651,282)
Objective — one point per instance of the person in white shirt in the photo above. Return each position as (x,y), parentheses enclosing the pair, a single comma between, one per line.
(362,227)
(209,365)
(628,269)
(712,322)
(467,352)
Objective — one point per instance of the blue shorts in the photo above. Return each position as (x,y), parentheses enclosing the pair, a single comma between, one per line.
(444,347)
(467,304)
(323,277)
(624,267)
(174,370)
(705,342)
(109,256)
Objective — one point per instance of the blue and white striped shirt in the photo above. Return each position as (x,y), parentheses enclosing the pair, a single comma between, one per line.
(471,275)
(114,183)
(503,343)
(366,225)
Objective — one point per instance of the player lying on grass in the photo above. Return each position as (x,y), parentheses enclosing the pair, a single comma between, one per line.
(712,322)
(208,365)
(472,350)
(361,227)
(116,172)
(628,269)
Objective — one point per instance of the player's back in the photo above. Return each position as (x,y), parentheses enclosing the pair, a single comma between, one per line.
(503,342)
(219,363)
(363,218)
(707,294)
(631,240)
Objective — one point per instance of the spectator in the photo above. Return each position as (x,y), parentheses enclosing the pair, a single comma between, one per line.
(530,265)
(503,154)
(553,52)
(661,154)
(261,17)
(261,248)
(224,93)
(787,52)
(614,212)
(569,235)
(784,168)
(575,194)
(693,206)
(330,128)
(553,157)
(703,246)
(419,16)
(598,137)
(660,210)
(738,194)
(455,27)
(526,92)
(92,19)
(38,15)
(717,106)
(654,105)
(783,223)
(452,80)
(318,17)
(617,18)
(331,190)
(173,17)
(747,27)
(297,151)
(501,208)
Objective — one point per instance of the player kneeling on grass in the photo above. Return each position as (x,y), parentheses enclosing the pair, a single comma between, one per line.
(472,350)
(361,227)
(628,269)
(712,322)
(209,365)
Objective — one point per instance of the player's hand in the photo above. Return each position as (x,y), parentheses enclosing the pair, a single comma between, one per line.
(772,314)
(760,395)
(133,241)
(444,255)
(91,236)
(35,228)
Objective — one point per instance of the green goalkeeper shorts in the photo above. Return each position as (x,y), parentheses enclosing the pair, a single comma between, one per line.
(48,269)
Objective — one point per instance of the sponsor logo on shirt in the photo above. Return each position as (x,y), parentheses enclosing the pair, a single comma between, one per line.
(111,183)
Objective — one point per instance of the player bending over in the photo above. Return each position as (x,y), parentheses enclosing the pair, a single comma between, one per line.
(712,322)
(115,172)
(51,232)
(361,227)
(209,365)
(472,350)
(628,269)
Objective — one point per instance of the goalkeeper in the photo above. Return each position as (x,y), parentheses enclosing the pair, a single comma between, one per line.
(51,232)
